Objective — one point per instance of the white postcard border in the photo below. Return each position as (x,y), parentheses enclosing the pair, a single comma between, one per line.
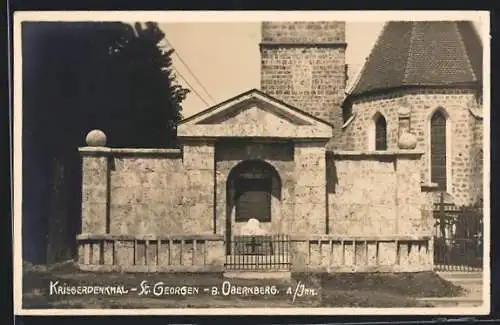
(240,16)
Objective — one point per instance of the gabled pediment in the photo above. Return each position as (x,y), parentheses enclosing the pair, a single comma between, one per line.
(254,114)
(249,111)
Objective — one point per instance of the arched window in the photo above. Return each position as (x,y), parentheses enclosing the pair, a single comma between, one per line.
(438,149)
(380,133)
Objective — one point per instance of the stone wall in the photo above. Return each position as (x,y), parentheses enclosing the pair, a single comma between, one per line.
(150,253)
(145,195)
(148,191)
(477,154)
(378,218)
(149,210)
(166,210)
(344,253)
(310,189)
(199,196)
(95,191)
(303,32)
(132,191)
(376,194)
(303,64)
(465,143)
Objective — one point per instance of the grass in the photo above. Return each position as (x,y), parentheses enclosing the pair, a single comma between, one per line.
(326,290)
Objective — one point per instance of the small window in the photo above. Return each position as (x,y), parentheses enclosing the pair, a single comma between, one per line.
(253,199)
(380,133)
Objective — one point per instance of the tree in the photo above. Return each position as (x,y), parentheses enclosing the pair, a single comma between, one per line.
(77,77)
(148,90)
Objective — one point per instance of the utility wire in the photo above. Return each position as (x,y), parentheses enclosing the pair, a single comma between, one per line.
(189,70)
(191,87)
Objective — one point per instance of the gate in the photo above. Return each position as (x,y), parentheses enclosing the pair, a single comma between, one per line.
(259,253)
(458,237)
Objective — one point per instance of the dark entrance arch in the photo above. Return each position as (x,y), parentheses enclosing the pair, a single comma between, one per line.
(252,189)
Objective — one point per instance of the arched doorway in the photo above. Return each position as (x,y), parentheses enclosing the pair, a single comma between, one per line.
(253,190)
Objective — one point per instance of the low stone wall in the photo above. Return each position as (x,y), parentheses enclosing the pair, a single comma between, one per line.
(148,253)
(193,253)
(333,253)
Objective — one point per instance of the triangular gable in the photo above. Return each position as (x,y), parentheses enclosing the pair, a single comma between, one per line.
(254,114)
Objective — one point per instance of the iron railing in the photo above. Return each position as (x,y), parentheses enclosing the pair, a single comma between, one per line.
(458,237)
(262,253)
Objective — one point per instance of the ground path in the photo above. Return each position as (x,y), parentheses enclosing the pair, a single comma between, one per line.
(472,282)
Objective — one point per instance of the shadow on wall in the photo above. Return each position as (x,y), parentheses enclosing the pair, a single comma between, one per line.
(331,176)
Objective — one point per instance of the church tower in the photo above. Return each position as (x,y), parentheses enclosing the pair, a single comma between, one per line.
(303,64)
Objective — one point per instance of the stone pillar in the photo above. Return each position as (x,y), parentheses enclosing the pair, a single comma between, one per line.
(221,175)
(95,184)
(288,181)
(310,189)
(199,165)
(409,196)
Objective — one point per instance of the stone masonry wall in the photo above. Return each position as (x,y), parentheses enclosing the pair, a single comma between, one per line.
(356,134)
(149,192)
(146,195)
(477,152)
(199,166)
(375,195)
(465,141)
(94,193)
(357,206)
(310,189)
(303,64)
(300,32)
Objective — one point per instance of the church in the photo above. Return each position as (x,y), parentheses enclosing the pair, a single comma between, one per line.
(302,174)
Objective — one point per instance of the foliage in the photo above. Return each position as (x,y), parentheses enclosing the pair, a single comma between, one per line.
(147,87)
(79,76)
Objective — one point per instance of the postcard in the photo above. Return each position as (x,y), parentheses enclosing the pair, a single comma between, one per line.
(229,163)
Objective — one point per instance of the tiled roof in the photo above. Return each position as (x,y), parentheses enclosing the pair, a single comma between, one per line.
(422,54)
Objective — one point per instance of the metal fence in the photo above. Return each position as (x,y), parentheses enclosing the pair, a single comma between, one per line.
(458,237)
(262,253)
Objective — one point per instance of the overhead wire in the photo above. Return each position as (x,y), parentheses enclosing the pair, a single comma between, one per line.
(192,74)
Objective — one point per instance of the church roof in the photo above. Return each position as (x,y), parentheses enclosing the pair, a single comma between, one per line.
(419,53)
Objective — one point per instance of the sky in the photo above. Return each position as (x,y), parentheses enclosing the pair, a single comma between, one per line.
(225,59)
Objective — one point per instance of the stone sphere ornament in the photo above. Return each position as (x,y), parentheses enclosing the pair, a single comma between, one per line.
(407,141)
(96,138)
